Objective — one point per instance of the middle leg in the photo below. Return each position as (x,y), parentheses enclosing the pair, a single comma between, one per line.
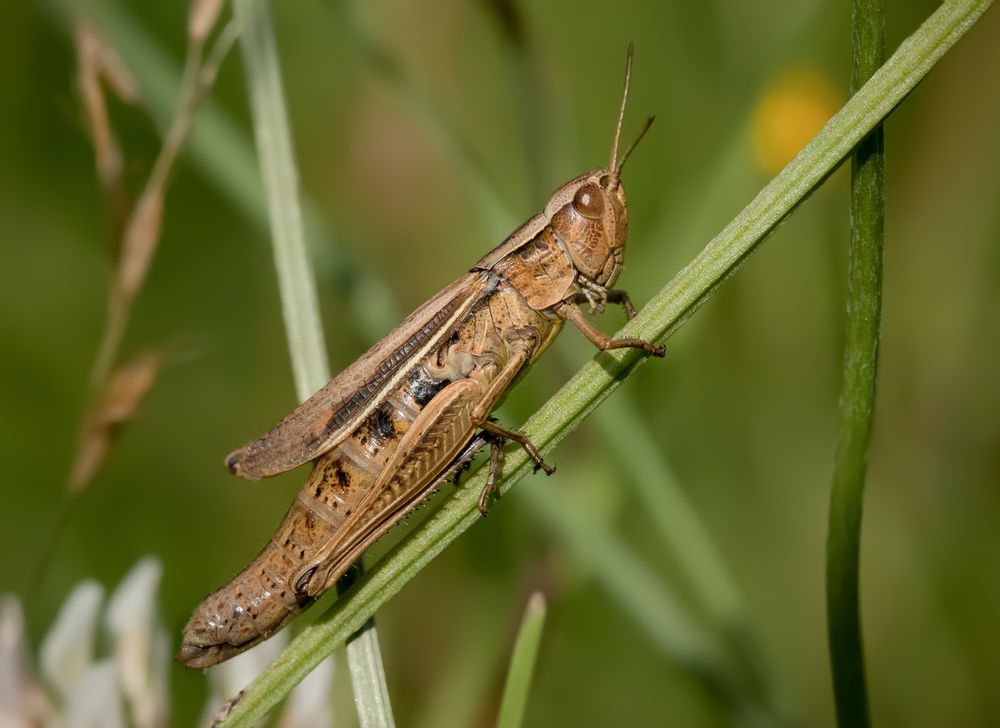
(496,435)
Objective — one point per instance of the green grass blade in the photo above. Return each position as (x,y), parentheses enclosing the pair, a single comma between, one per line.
(671,307)
(522,664)
(296,282)
(371,693)
(297,287)
(857,398)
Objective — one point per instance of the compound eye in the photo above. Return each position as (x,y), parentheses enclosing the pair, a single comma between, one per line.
(589,201)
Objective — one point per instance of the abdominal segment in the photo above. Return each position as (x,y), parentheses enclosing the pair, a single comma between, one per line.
(269,592)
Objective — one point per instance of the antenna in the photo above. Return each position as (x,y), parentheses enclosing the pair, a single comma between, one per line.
(649,122)
(612,166)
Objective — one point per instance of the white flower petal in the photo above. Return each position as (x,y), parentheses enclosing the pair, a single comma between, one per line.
(13,660)
(160,664)
(132,623)
(310,704)
(132,607)
(22,701)
(95,701)
(68,649)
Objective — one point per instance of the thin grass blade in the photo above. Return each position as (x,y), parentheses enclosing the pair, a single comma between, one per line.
(296,283)
(522,664)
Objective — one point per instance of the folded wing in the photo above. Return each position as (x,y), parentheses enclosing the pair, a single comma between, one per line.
(330,415)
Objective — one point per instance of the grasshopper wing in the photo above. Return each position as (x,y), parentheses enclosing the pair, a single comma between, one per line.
(412,473)
(330,415)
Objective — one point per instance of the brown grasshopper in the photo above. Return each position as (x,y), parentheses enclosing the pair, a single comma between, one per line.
(386,430)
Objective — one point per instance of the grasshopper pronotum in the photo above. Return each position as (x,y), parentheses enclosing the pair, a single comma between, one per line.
(386,430)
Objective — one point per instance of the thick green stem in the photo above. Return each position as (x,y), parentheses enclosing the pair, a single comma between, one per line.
(857,398)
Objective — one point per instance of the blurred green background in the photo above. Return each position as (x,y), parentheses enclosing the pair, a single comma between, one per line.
(425,132)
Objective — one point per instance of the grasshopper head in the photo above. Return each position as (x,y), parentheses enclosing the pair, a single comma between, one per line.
(590,213)
(591,219)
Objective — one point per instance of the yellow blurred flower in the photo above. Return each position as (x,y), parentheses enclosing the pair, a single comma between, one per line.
(790,112)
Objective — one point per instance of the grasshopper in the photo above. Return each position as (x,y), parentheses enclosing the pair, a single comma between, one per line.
(413,409)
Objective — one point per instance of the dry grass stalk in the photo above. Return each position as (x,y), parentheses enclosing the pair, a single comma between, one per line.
(97,62)
(117,394)
(202,17)
(125,390)
(140,228)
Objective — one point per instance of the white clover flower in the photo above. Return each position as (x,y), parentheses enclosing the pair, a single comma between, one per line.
(96,700)
(22,701)
(129,687)
(141,644)
(67,651)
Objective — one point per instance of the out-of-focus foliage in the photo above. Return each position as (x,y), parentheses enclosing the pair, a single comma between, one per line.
(743,408)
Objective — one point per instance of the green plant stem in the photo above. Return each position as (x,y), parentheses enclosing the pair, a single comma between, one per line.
(522,664)
(297,287)
(668,310)
(300,305)
(857,397)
